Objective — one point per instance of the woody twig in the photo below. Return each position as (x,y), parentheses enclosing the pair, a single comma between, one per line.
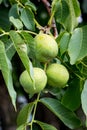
(53,24)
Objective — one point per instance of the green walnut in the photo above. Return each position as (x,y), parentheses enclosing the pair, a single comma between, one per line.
(40,81)
(57,75)
(46,47)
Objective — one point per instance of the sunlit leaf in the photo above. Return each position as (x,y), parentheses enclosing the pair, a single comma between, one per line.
(16,22)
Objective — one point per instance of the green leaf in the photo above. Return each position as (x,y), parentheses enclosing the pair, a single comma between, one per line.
(14,17)
(66,12)
(76,6)
(30,5)
(71,98)
(22,127)
(10,50)
(45,126)
(78,46)
(58,93)
(23,1)
(24,114)
(55,4)
(21,49)
(9,46)
(84,71)
(65,115)
(28,19)
(11,2)
(82,67)
(1,1)
(62,11)
(64,41)
(6,70)
(84,98)
(16,22)
(14,11)
(30,43)
(72,19)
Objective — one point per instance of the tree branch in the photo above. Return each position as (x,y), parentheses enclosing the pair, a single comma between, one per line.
(48,7)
